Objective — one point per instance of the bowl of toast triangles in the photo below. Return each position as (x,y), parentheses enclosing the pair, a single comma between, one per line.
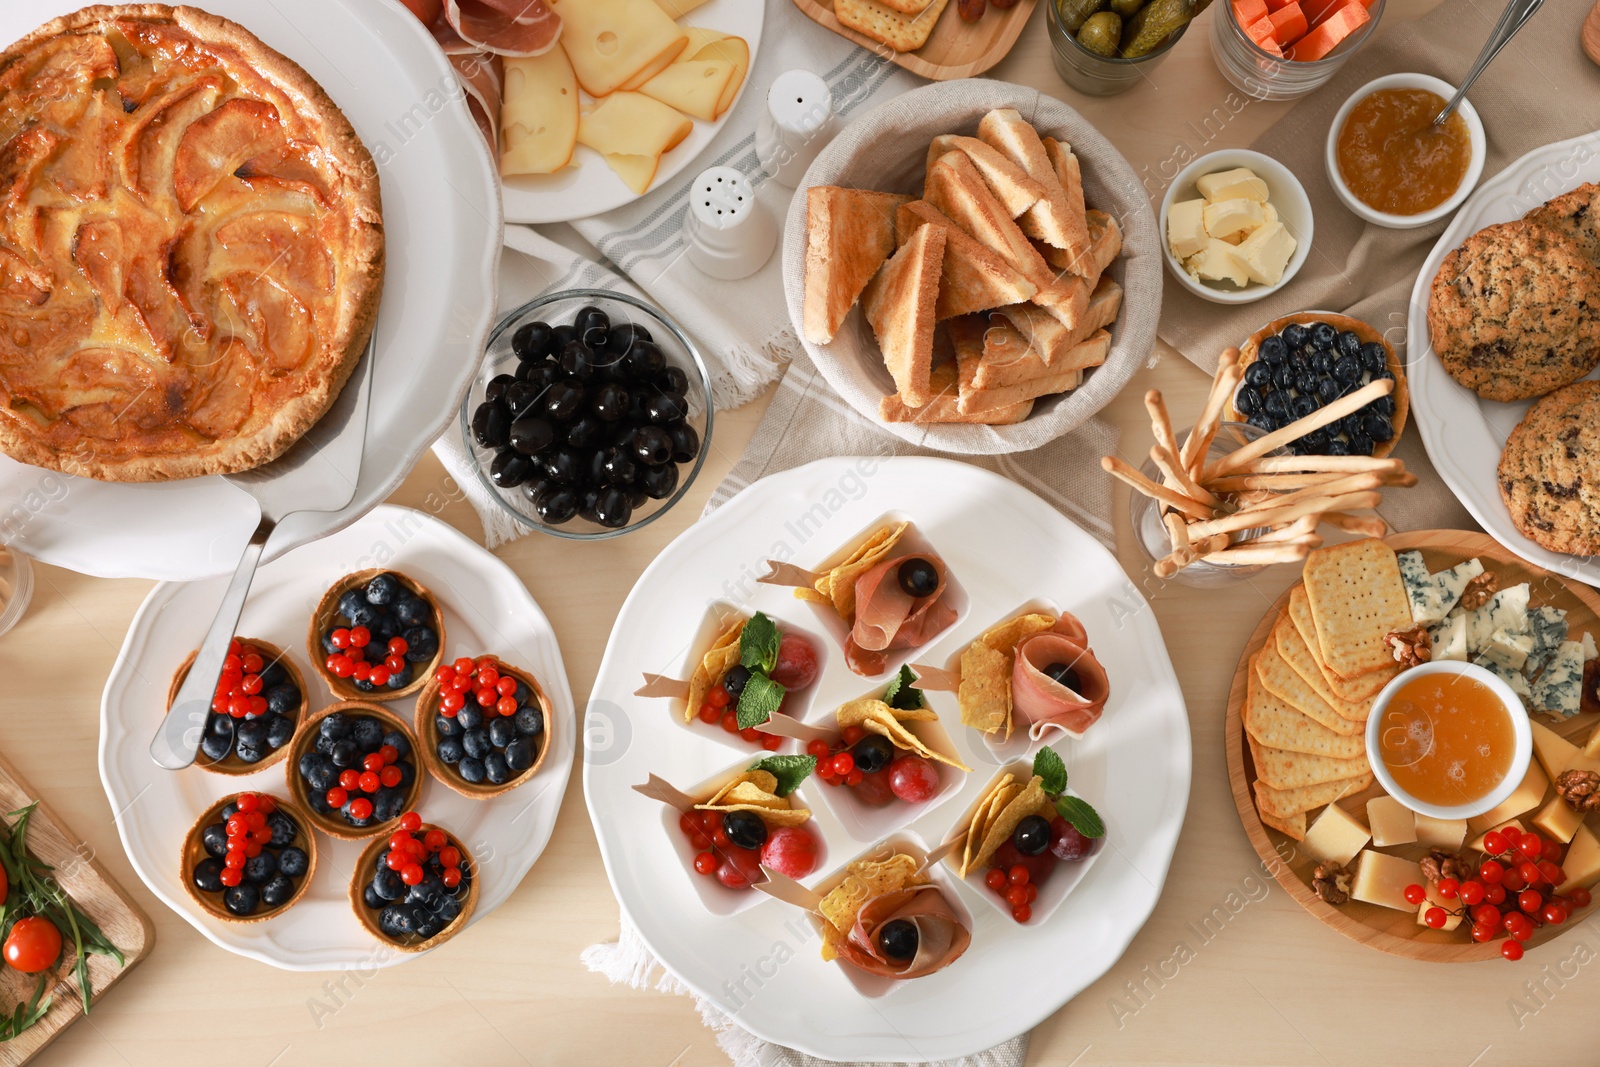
(973,267)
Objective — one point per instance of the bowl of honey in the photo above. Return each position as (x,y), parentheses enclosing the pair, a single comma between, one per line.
(1391,165)
(1448,739)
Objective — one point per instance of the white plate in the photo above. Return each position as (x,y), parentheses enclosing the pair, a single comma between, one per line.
(441,214)
(1007,548)
(588,185)
(487,610)
(1464,433)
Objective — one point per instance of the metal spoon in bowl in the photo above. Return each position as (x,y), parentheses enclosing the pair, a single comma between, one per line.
(1515,16)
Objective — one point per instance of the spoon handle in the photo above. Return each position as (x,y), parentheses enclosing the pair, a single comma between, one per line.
(1515,16)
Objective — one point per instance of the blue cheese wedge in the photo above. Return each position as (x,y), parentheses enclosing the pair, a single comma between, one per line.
(1559,690)
(1509,675)
(1453,582)
(1433,596)
(1549,629)
(1450,638)
(1508,649)
(1507,610)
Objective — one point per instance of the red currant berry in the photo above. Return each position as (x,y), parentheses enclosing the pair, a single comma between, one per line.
(231,876)
(390,776)
(1580,897)
(1017,875)
(996,880)
(1471,892)
(506,686)
(340,638)
(1435,917)
(1511,951)
(1448,888)
(451,703)
(237,825)
(506,706)
(361,808)
(387,754)
(360,636)
(464,666)
(450,856)
(350,778)
(1415,894)
(1491,871)
(719,697)
(451,877)
(705,863)
(362,672)
(251,684)
(1554,913)
(337,796)
(819,749)
(444,675)
(434,840)
(852,734)
(411,874)
(411,822)
(399,647)
(710,713)
(370,782)
(234,860)
(730,722)
(247,802)
(1022,913)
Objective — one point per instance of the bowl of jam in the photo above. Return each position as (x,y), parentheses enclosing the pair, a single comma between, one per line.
(1391,165)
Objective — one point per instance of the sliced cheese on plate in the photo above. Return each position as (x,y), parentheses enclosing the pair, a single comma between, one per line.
(617,44)
(539,117)
(694,87)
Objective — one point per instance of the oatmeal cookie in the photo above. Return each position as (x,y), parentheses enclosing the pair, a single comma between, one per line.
(1550,471)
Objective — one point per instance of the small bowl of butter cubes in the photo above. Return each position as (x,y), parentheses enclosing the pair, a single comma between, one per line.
(1235,226)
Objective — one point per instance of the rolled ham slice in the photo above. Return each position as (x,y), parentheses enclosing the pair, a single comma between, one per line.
(505,27)
(941,939)
(889,618)
(1043,702)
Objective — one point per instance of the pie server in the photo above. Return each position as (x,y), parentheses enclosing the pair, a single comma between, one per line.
(318,473)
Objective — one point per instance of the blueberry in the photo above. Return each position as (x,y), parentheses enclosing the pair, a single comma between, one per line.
(283,699)
(396,921)
(351,601)
(208,875)
(252,732)
(1381,372)
(1328,391)
(1295,335)
(1323,336)
(1347,369)
(1305,383)
(387,884)
(411,610)
(215,840)
(293,862)
(586,431)
(383,628)
(502,732)
(1274,351)
(273,674)
(216,746)
(520,754)
(470,769)
(1374,356)
(1360,444)
(250,753)
(328,647)
(614,508)
(260,867)
(449,909)
(446,726)
(346,753)
(1378,427)
(1303,406)
(422,644)
(1338,448)
(369,897)
(390,803)
(284,829)
(530,720)
(323,774)
(450,750)
(1261,420)
(659,483)
(368,734)
(401,678)
(241,899)
(1258,374)
(532,340)
(1315,441)
(470,717)
(496,769)
(1347,343)
(1276,404)
(1283,376)
(396,740)
(1322,363)
(277,892)
(491,425)
(383,590)
(510,469)
(319,802)
(1384,405)
(477,743)
(1247,400)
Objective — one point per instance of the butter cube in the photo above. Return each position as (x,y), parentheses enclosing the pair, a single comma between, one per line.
(1392,822)
(1223,218)
(1219,262)
(1441,833)
(1238,183)
(1581,863)
(1382,879)
(1335,836)
(1451,908)
(1268,213)
(1558,819)
(1266,252)
(1186,231)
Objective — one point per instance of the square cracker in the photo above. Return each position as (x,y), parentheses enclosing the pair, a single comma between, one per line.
(1293,825)
(1298,655)
(898,30)
(1274,723)
(1285,803)
(1356,596)
(1290,770)
(1282,682)
(1361,688)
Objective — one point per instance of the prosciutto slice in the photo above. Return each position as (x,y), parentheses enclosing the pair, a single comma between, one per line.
(481,77)
(941,939)
(1041,700)
(505,27)
(889,618)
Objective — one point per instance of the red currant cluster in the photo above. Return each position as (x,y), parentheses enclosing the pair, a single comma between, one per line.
(377,771)
(1514,893)
(1016,887)
(248,834)
(355,645)
(732,847)
(239,689)
(838,767)
(720,707)
(409,851)
(494,692)
(879,771)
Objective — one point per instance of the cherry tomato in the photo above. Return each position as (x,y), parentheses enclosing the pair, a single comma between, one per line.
(797,665)
(790,850)
(33,944)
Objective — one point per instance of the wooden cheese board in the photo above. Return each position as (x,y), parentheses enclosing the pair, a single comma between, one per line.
(96,895)
(955,49)
(1386,929)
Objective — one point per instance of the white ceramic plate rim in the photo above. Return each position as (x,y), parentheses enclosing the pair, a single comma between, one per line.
(1461,439)
(592,186)
(126,723)
(463,283)
(969,1007)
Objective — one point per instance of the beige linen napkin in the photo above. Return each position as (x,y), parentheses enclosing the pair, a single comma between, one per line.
(1540,89)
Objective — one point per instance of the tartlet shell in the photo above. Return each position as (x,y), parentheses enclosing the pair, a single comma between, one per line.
(232,765)
(368,919)
(194,851)
(300,789)
(328,610)
(428,737)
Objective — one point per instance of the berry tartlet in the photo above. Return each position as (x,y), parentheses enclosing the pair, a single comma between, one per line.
(353,767)
(260,700)
(416,888)
(376,635)
(249,858)
(482,726)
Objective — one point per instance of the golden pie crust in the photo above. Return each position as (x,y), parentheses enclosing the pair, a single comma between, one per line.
(191,246)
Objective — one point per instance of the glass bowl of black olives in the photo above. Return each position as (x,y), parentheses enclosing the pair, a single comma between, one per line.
(591,414)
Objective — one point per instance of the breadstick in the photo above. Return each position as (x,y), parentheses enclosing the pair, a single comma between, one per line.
(1234,483)
(1365,525)
(1349,483)
(1246,520)
(1123,472)
(1304,464)
(1177,530)
(1254,557)
(1222,387)
(1166,460)
(1335,411)
(1161,421)
(1304,526)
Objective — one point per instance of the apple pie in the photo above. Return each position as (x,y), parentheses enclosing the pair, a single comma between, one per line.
(191,246)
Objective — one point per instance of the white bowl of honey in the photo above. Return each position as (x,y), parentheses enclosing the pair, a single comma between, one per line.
(1387,161)
(1448,739)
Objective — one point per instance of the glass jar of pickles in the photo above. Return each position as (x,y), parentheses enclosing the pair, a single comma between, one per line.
(1102,47)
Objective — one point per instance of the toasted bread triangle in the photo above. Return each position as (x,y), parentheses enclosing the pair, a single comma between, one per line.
(849,233)
(945,407)
(1052,219)
(1105,244)
(1010,183)
(899,303)
(1077,231)
(955,187)
(974,278)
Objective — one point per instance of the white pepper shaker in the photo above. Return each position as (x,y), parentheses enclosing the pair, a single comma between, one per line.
(798,121)
(728,233)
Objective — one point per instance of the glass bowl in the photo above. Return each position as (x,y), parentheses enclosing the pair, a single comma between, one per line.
(16,586)
(562,307)
(1259,74)
(1094,74)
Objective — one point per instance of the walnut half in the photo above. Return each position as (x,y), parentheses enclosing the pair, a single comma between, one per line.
(1331,883)
(1439,864)
(1580,789)
(1479,590)
(1411,645)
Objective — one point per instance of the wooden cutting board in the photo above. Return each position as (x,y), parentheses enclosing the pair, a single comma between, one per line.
(955,49)
(95,894)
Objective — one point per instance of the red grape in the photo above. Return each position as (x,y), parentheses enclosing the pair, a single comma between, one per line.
(797,662)
(790,850)
(913,779)
(1067,843)
(873,790)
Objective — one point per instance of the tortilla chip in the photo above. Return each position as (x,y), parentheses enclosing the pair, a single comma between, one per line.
(985,690)
(1023,805)
(717,661)
(838,586)
(858,712)
(1004,637)
(991,804)
(755,791)
(864,879)
(764,781)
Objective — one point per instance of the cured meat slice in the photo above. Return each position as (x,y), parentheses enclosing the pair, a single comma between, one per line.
(941,939)
(505,27)
(1038,698)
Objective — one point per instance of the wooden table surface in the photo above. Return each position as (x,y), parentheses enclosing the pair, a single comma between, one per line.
(1228,969)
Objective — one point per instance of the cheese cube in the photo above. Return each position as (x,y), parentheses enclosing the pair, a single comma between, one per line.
(1476,844)
(1392,822)
(1592,746)
(1581,863)
(1559,689)
(1441,833)
(1558,820)
(1553,751)
(1524,798)
(1335,836)
(1268,214)
(1434,900)
(1217,262)
(1549,633)
(1266,252)
(1382,879)
(1223,218)
(1508,649)
(1186,230)
(1238,183)
(1450,639)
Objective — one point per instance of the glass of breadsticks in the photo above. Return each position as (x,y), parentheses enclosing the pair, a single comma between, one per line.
(1233,498)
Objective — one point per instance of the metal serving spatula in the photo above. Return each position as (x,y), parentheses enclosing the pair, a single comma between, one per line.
(318,473)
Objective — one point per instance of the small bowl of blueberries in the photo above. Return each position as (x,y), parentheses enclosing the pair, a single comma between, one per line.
(591,414)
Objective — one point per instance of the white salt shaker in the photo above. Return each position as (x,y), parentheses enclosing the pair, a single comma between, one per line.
(797,123)
(729,234)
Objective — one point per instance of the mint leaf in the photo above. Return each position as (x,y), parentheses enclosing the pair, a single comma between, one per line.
(1047,765)
(1081,815)
(790,771)
(761,697)
(903,694)
(758,644)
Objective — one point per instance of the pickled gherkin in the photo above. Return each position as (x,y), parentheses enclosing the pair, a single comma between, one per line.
(1074,13)
(1101,31)
(1154,23)
(1126,9)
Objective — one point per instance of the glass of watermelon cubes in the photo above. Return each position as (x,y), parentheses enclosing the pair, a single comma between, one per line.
(1282,49)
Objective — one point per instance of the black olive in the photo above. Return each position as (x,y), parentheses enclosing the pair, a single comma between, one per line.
(1032,835)
(590,317)
(664,409)
(576,361)
(496,389)
(587,499)
(510,469)
(560,335)
(491,424)
(618,469)
(918,577)
(659,482)
(736,679)
(531,434)
(1063,673)
(585,431)
(745,829)
(556,504)
(1273,351)
(898,939)
(674,380)
(520,396)
(610,402)
(539,374)
(651,445)
(565,466)
(645,360)
(685,443)
(563,400)
(537,483)
(614,508)
(624,334)
(533,340)
(594,467)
